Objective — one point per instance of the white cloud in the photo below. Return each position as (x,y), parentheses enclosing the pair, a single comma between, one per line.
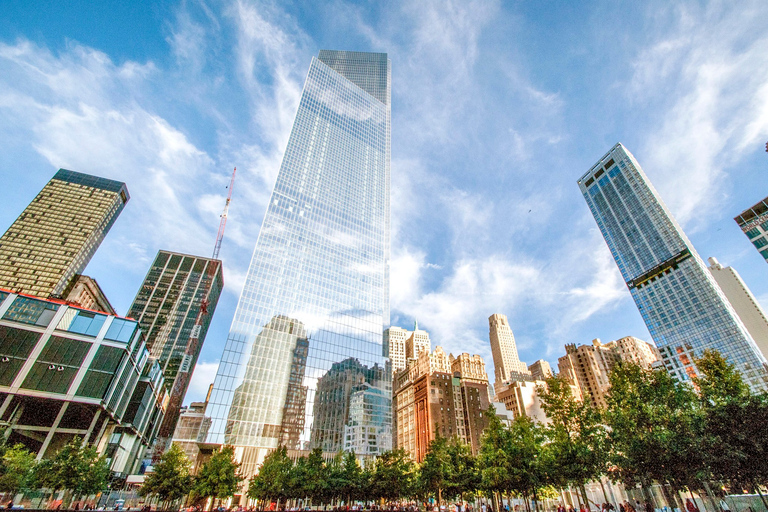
(710,85)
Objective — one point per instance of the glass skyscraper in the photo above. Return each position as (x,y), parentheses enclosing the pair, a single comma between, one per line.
(305,346)
(174,307)
(679,300)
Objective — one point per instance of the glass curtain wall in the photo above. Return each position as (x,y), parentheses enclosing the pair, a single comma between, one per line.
(304,357)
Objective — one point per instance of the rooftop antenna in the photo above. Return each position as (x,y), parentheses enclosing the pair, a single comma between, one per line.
(223,222)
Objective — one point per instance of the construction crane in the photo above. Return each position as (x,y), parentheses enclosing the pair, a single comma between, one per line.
(223,222)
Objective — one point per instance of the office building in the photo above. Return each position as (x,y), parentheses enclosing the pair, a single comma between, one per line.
(742,300)
(754,223)
(682,305)
(540,370)
(402,345)
(66,371)
(57,234)
(315,303)
(506,362)
(174,307)
(439,394)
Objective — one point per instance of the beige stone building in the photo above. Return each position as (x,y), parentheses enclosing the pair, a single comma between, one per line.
(403,345)
(522,399)
(506,362)
(87,293)
(749,310)
(438,393)
(588,366)
(540,370)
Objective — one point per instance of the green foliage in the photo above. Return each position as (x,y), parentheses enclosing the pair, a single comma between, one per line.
(75,468)
(493,460)
(654,428)
(576,436)
(435,470)
(272,480)
(394,476)
(527,473)
(219,477)
(465,476)
(16,469)
(735,423)
(171,479)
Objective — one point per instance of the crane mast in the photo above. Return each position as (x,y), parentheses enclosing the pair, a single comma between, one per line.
(223,223)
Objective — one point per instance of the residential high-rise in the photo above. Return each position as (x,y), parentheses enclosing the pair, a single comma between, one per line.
(315,302)
(679,300)
(506,361)
(439,394)
(754,223)
(174,307)
(742,300)
(57,234)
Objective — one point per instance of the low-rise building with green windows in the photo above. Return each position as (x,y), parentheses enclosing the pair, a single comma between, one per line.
(69,372)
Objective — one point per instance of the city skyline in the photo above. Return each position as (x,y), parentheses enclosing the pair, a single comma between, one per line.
(498,113)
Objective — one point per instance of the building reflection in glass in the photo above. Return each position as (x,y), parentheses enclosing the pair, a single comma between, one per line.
(304,357)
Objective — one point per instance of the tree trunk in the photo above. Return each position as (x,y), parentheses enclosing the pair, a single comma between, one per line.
(670,502)
(584,495)
(536,500)
(605,495)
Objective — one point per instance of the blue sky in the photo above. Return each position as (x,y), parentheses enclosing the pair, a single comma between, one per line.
(498,108)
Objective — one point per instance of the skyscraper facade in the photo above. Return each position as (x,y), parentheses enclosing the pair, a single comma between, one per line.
(679,300)
(305,350)
(506,361)
(754,223)
(58,233)
(174,307)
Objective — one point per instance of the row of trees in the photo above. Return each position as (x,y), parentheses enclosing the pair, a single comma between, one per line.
(654,430)
(171,480)
(76,469)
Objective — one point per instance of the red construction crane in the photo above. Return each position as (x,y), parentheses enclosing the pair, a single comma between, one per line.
(223,222)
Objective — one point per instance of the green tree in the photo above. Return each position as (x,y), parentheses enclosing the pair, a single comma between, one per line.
(435,470)
(353,478)
(735,435)
(393,476)
(273,479)
(465,477)
(493,460)
(654,430)
(171,479)
(576,437)
(76,469)
(527,472)
(219,477)
(16,468)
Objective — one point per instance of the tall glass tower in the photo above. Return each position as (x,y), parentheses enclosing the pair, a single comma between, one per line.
(306,341)
(683,307)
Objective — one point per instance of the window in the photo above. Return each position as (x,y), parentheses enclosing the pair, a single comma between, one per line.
(82,322)
(752,233)
(57,365)
(101,372)
(31,311)
(121,330)
(760,242)
(15,347)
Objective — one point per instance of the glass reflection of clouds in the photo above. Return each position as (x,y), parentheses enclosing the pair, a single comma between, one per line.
(303,365)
